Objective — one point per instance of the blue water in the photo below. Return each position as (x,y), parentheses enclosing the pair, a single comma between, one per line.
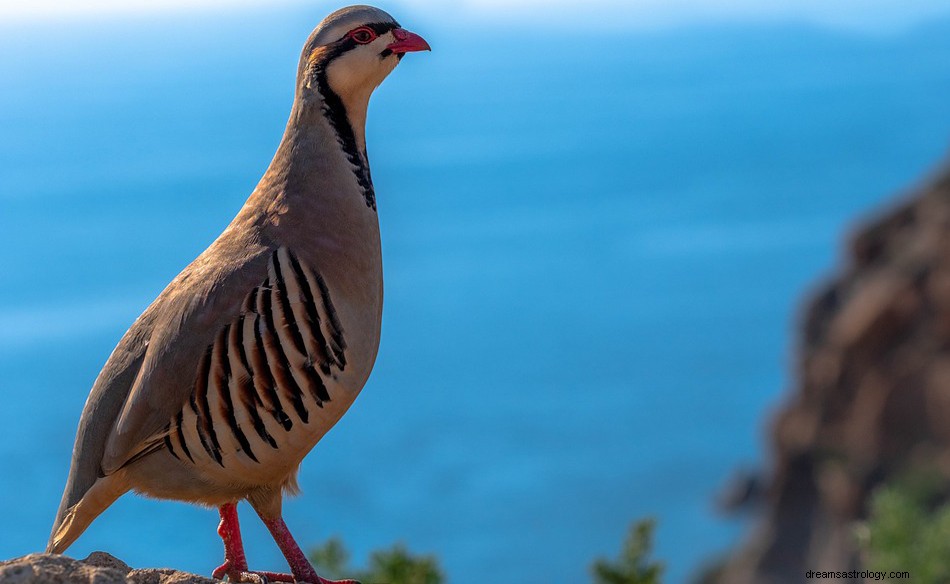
(595,250)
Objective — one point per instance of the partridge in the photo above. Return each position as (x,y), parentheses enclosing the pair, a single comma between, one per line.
(258,347)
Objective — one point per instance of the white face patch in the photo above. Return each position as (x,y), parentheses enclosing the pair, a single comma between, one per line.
(356,73)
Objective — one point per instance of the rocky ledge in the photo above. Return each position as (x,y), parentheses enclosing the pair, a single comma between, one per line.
(871,397)
(98,568)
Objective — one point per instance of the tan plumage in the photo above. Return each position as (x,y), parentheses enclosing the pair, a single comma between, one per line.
(254,351)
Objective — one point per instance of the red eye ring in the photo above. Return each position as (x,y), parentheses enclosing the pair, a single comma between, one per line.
(363,35)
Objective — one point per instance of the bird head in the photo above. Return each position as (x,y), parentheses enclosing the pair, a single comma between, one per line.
(352,51)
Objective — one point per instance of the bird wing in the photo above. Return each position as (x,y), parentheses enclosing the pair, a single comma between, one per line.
(105,401)
(190,312)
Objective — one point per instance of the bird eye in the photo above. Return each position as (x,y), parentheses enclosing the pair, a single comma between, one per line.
(363,35)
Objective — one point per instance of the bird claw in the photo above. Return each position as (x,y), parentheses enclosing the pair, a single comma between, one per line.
(248,577)
(267,577)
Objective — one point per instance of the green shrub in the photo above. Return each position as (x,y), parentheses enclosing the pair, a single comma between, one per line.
(901,534)
(395,565)
(634,565)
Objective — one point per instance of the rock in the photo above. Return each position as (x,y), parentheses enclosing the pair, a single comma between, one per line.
(98,568)
(742,491)
(871,395)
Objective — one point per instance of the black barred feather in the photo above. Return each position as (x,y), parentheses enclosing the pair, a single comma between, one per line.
(280,348)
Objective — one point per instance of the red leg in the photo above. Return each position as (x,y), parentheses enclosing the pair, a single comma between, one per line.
(299,564)
(230,532)
(235,562)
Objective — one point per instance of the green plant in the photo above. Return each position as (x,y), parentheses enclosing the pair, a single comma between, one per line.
(331,558)
(396,565)
(634,565)
(901,533)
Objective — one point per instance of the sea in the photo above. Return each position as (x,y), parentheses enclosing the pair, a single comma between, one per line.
(597,247)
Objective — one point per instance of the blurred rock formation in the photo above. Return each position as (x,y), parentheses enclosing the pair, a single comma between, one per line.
(871,400)
(98,568)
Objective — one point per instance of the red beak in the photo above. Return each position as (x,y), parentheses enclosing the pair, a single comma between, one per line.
(407,42)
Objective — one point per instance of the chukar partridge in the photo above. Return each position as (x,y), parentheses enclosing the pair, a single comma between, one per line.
(251,354)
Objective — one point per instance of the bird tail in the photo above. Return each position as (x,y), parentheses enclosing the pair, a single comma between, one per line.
(77,518)
(85,495)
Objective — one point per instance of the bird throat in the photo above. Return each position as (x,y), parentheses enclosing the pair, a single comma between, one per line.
(354,148)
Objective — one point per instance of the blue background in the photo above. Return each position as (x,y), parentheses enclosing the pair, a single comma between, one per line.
(595,247)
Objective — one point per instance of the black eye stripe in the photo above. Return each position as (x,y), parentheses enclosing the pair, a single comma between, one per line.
(383,28)
(347,43)
(380,28)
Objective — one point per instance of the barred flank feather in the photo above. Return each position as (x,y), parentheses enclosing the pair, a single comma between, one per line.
(259,367)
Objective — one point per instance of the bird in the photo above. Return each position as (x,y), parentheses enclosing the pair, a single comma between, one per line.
(221,387)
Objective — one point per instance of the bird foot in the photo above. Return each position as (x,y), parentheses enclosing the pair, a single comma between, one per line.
(314,579)
(249,577)
(245,576)
(242,574)
(235,569)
